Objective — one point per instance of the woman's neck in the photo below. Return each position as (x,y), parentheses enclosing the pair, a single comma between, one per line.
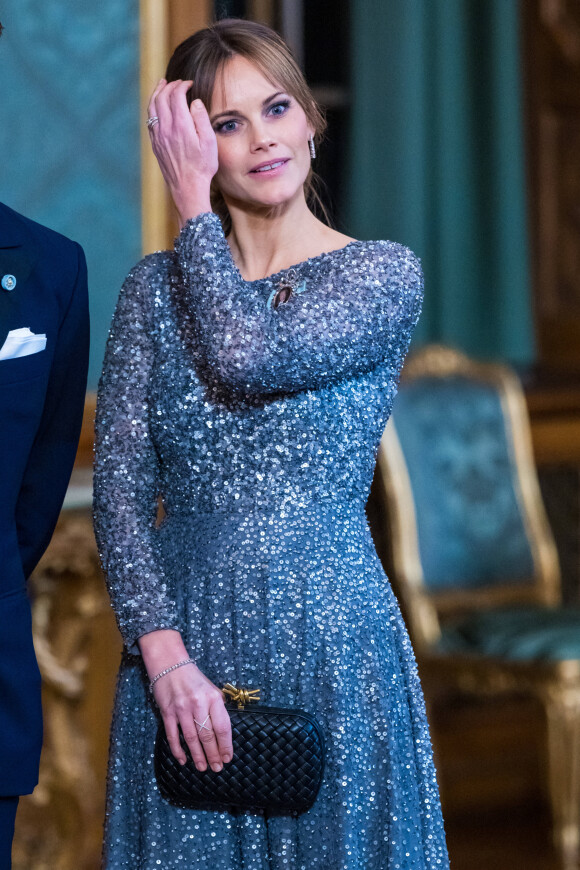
(263,243)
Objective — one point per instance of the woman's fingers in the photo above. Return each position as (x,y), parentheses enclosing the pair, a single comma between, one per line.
(172,732)
(177,99)
(203,127)
(190,734)
(164,108)
(151,108)
(206,734)
(170,106)
(222,728)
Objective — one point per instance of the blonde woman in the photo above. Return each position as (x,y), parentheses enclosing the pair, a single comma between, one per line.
(248,377)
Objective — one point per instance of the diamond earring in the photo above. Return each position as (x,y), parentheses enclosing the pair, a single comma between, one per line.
(312,148)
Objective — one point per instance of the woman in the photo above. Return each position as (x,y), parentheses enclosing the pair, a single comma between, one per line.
(247,381)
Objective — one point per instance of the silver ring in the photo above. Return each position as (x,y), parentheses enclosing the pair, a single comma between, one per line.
(202,725)
(152,121)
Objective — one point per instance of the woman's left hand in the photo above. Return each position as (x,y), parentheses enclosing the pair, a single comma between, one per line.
(185,146)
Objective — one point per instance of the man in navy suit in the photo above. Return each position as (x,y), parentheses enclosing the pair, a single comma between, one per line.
(44,335)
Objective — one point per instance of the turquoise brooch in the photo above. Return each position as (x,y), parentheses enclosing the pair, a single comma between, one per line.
(287,286)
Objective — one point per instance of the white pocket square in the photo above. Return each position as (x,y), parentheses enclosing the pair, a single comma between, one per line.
(21,342)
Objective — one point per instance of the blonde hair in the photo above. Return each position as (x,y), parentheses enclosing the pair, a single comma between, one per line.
(201,58)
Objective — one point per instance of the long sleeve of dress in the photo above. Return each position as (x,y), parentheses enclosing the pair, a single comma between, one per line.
(126,482)
(359,315)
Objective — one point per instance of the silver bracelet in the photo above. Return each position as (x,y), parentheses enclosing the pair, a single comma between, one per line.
(168,671)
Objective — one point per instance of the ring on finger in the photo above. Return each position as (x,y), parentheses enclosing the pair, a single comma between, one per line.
(152,121)
(202,725)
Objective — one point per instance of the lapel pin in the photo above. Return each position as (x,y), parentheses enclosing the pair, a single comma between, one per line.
(8,282)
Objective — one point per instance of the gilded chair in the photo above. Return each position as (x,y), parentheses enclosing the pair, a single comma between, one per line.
(473,558)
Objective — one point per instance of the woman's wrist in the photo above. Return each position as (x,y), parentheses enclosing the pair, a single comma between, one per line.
(162,649)
(169,670)
(191,204)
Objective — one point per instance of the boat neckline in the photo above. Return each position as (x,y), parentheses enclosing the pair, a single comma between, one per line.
(295,266)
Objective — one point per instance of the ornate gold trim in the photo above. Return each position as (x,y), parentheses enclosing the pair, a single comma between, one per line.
(419,611)
(528,489)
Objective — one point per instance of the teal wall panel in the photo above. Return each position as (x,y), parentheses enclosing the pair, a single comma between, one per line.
(69,134)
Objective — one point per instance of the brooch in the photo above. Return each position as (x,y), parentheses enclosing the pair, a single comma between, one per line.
(285,289)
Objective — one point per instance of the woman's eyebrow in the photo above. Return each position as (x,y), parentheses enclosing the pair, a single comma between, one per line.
(237,111)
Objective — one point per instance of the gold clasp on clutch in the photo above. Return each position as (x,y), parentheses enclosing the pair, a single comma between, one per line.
(241,697)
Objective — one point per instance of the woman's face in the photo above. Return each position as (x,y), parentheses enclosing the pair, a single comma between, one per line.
(262,134)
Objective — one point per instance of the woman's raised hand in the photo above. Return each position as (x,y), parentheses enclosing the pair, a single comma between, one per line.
(188,700)
(185,146)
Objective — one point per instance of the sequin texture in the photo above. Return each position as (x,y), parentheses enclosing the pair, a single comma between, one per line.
(259,427)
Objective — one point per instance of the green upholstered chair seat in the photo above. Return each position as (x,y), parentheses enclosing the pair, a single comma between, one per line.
(517,634)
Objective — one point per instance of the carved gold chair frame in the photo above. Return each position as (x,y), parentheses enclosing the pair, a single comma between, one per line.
(555,683)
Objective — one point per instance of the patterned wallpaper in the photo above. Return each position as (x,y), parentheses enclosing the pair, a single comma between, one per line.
(69,133)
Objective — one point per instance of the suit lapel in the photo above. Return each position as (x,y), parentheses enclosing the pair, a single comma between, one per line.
(18,254)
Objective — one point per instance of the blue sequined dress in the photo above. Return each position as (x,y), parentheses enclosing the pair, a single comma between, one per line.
(258,425)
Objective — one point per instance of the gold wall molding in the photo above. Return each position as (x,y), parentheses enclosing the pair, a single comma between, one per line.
(153,51)
(164,24)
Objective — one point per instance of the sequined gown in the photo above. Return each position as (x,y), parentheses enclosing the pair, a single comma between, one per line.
(259,426)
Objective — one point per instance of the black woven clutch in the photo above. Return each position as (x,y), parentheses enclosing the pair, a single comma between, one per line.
(277,765)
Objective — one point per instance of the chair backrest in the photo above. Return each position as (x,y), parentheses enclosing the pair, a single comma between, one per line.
(467,525)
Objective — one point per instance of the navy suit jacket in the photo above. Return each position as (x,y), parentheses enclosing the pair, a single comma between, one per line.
(41,405)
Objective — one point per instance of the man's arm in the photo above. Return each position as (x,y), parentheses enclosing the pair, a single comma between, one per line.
(53,453)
